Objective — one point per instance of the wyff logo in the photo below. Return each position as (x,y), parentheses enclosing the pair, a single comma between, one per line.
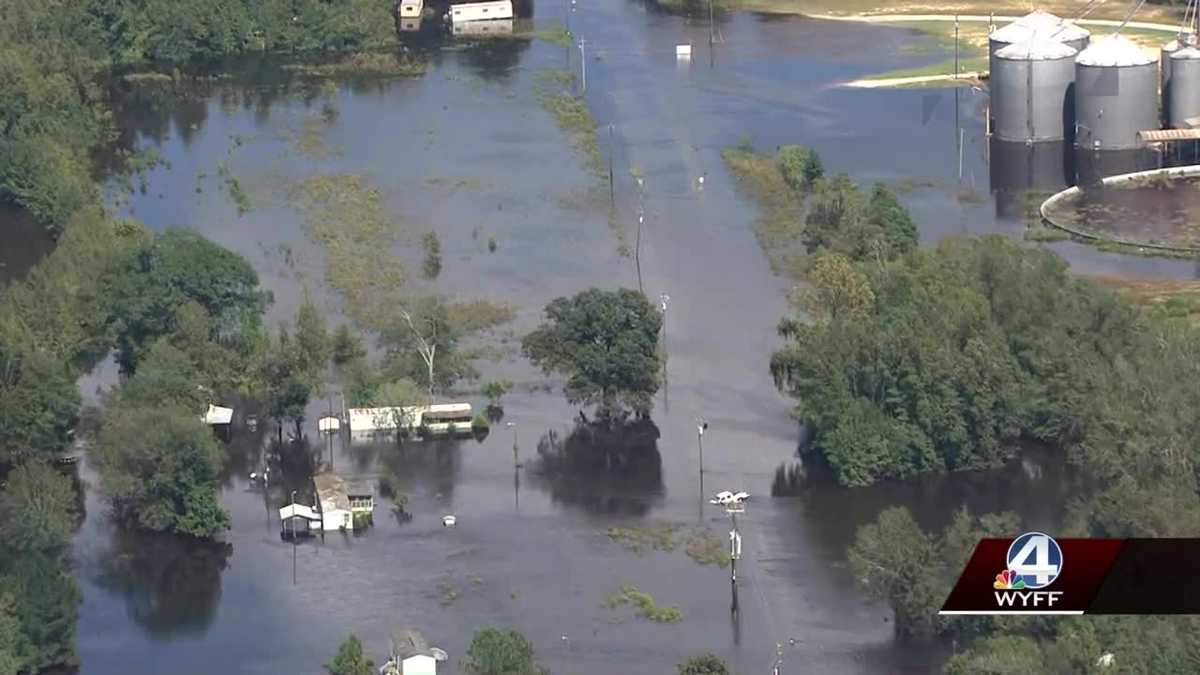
(1034,562)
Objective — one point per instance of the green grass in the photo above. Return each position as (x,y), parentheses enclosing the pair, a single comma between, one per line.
(780,228)
(571,114)
(645,605)
(707,548)
(943,67)
(556,36)
(656,536)
(363,64)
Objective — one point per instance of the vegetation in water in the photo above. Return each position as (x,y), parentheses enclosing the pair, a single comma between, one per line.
(571,114)
(351,659)
(364,64)
(432,265)
(501,651)
(703,664)
(645,605)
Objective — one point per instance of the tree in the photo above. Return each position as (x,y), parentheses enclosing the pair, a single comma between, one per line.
(44,601)
(346,346)
(886,213)
(294,366)
(605,343)
(422,344)
(891,559)
(350,659)
(167,376)
(37,510)
(501,651)
(494,391)
(11,645)
(145,290)
(838,289)
(801,167)
(159,469)
(704,664)
(40,403)
(1001,655)
(398,395)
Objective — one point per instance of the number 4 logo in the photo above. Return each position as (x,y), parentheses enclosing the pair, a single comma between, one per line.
(1036,557)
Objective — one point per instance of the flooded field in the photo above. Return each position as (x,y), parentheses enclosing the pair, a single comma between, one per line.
(470,152)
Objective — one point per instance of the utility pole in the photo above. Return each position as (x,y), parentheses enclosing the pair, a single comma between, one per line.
(956,46)
(701,427)
(612,194)
(293,519)
(583,62)
(637,250)
(711,58)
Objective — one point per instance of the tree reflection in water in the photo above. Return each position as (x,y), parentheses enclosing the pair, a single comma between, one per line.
(602,468)
(172,585)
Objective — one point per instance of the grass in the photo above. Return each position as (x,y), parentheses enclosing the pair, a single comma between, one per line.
(346,216)
(707,548)
(1046,234)
(557,35)
(644,603)
(478,315)
(571,114)
(780,228)
(456,184)
(309,139)
(1177,298)
(363,64)
(234,187)
(656,536)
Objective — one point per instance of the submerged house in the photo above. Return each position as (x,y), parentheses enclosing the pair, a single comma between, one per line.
(298,520)
(481,11)
(412,655)
(344,505)
(433,420)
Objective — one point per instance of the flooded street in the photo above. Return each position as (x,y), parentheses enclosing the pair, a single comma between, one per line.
(469,152)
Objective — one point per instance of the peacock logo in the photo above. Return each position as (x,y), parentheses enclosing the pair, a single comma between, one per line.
(1008,580)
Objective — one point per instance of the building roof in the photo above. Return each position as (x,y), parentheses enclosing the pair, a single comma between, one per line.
(331,490)
(1039,23)
(218,415)
(1115,51)
(1037,48)
(298,511)
(410,643)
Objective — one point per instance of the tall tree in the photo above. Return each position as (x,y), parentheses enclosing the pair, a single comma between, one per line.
(501,651)
(40,403)
(45,598)
(350,659)
(159,469)
(37,510)
(605,343)
(11,646)
(422,344)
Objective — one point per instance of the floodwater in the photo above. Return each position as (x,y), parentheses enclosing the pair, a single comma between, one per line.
(1154,211)
(468,151)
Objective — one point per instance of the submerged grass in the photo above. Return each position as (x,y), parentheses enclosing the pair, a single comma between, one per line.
(346,216)
(645,604)
(571,114)
(364,64)
(780,229)
(702,545)
(1177,298)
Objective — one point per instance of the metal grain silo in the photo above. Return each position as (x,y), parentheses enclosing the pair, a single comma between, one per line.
(1032,90)
(1116,93)
(1183,97)
(1164,69)
(1038,23)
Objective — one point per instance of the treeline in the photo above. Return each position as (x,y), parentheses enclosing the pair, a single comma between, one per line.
(54,57)
(908,361)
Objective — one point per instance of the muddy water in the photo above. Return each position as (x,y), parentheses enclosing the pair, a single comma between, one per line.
(467,151)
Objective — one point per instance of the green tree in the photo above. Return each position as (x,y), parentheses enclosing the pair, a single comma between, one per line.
(37,510)
(350,659)
(159,469)
(886,214)
(704,664)
(40,400)
(432,266)
(167,376)
(44,601)
(172,268)
(838,289)
(346,347)
(801,167)
(891,559)
(422,345)
(606,344)
(11,640)
(1000,655)
(501,651)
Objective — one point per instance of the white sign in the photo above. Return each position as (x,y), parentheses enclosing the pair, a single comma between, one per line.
(683,51)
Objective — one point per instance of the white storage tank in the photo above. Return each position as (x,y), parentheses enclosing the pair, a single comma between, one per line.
(1183,97)
(1164,68)
(1032,85)
(1116,93)
(1038,23)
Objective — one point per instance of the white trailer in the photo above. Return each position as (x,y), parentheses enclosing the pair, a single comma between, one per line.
(490,27)
(481,11)
(411,9)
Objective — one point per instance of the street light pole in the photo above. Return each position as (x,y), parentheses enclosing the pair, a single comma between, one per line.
(293,519)
(701,427)
(583,62)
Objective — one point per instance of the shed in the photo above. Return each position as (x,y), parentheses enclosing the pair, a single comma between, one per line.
(218,415)
(298,520)
(413,653)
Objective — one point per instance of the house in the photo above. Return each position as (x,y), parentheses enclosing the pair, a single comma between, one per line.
(298,520)
(411,9)
(481,11)
(412,655)
(489,27)
(344,506)
(436,419)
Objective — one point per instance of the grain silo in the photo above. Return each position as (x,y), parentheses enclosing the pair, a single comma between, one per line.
(1038,23)
(1116,93)
(1032,90)
(1183,97)
(1164,68)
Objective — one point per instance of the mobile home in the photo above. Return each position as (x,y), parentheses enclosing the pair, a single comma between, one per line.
(411,9)
(481,11)
(436,419)
(490,27)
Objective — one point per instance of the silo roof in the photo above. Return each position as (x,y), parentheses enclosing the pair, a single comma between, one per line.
(1039,23)
(1186,38)
(1189,54)
(1037,49)
(1114,50)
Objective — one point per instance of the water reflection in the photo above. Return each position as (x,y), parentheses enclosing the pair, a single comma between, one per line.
(602,469)
(171,585)
(1023,175)
(23,242)
(431,466)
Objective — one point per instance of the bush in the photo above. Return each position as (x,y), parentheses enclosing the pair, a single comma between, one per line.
(801,167)
(480,423)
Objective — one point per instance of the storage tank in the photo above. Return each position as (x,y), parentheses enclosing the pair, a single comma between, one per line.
(1183,97)
(1038,23)
(1164,69)
(1116,87)
(1032,90)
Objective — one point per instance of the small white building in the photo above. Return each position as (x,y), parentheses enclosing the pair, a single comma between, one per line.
(411,655)
(217,415)
(489,27)
(411,9)
(481,11)
(298,520)
(344,506)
